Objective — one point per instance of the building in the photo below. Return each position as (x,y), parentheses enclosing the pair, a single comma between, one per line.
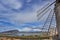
(57,13)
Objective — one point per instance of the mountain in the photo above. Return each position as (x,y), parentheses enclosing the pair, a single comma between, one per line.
(10,32)
(18,33)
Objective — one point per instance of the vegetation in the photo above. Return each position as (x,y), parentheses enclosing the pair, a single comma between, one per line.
(41,36)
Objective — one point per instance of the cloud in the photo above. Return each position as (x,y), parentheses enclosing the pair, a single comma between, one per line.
(26,17)
(23,18)
(14,4)
(27,29)
(20,17)
(36,29)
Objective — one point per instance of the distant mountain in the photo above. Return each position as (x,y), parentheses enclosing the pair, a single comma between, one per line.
(18,33)
(10,32)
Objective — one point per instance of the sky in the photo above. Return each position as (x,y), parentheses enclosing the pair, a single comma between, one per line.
(21,14)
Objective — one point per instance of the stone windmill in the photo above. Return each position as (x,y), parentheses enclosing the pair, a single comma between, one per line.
(57,12)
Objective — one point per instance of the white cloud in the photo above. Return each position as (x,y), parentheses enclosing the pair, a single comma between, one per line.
(36,29)
(26,29)
(15,4)
(19,18)
(24,18)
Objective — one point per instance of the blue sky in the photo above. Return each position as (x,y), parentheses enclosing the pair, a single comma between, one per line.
(21,14)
